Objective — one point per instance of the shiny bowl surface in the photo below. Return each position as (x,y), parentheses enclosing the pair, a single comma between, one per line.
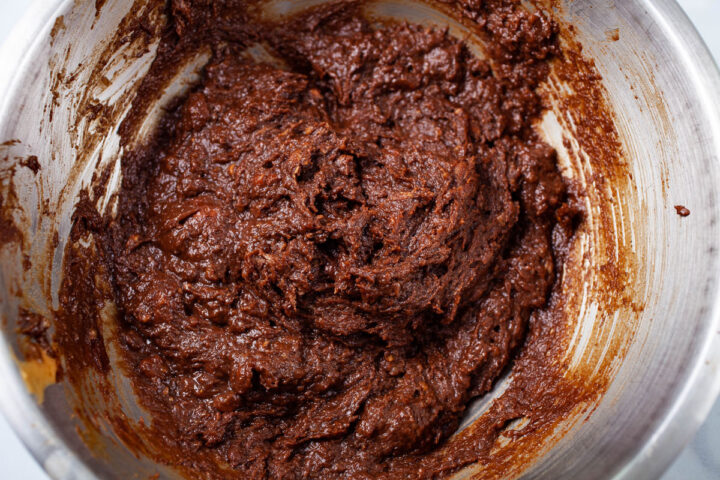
(664,88)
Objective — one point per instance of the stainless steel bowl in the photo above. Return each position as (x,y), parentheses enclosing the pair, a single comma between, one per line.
(664,89)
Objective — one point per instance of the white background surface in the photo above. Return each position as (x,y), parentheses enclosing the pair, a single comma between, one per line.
(699,461)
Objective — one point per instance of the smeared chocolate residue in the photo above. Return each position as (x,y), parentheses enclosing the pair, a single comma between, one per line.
(36,329)
(9,232)
(32,163)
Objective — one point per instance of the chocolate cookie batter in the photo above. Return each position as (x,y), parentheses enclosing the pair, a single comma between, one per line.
(320,262)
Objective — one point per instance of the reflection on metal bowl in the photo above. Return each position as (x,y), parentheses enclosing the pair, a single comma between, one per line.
(643,289)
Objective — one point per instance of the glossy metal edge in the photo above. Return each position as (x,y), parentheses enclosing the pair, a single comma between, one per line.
(701,388)
(683,417)
(19,407)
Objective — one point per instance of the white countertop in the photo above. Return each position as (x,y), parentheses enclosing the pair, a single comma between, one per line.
(699,461)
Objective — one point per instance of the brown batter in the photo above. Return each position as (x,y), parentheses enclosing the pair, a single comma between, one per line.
(319,266)
(682,210)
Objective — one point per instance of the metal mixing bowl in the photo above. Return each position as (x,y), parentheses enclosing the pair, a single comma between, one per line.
(662,85)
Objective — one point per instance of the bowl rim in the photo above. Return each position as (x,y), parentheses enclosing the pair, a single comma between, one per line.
(667,437)
(692,404)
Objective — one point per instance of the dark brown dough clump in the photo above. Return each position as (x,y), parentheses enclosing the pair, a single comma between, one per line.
(319,267)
